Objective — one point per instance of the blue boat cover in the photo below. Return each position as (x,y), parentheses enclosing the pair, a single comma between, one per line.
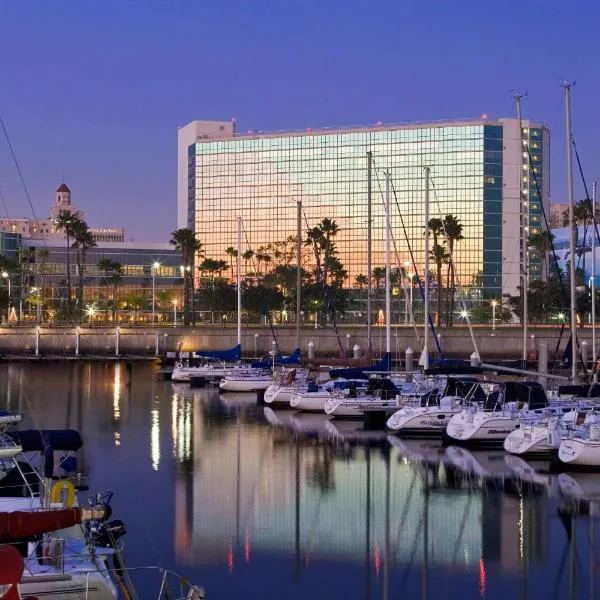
(363,372)
(267,363)
(38,440)
(231,355)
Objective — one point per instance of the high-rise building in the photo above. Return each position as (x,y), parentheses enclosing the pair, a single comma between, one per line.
(476,168)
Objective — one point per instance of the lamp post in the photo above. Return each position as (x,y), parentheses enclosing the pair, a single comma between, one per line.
(155,266)
(494,303)
(175,312)
(412,314)
(6,276)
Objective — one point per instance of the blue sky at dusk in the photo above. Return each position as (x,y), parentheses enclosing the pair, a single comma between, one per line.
(98,89)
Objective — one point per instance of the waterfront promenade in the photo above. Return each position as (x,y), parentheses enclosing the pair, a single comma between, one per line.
(505,343)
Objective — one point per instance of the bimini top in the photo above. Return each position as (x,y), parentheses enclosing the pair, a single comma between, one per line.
(363,372)
(39,440)
(231,355)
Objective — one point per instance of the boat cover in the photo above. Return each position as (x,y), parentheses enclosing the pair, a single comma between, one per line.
(293,359)
(362,372)
(38,440)
(11,570)
(232,355)
(17,525)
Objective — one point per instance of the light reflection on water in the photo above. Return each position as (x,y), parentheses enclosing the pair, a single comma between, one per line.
(256,503)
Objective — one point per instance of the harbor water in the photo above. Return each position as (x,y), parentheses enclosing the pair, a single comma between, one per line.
(250,502)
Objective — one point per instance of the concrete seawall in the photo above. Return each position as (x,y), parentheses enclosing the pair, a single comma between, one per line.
(456,342)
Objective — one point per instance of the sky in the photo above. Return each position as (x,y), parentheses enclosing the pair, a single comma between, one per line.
(96,90)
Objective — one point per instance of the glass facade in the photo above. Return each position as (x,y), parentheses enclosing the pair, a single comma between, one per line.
(261,177)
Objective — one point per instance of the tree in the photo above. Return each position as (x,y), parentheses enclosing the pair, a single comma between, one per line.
(361,280)
(453,229)
(185,242)
(136,301)
(232,253)
(542,243)
(259,299)
(439,255)
(582,212)
(82,241)
(212,266)
(378,275)
(65,223)
(113,272)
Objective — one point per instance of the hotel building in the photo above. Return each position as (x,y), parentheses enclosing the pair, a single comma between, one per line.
(475,170)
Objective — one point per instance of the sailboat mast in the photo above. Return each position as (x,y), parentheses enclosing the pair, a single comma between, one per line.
(524,231)
(388,300)
(572,249)
(298,269)
(593,285)
(426,276)
(369,243)
(239,280)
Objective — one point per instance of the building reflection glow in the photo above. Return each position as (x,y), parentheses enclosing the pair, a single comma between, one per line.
(155,438)
(117,393)
(181,428)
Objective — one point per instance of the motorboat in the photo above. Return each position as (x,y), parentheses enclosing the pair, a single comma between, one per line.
(432,415)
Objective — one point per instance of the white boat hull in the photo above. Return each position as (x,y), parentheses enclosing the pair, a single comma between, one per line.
(278,394)
(337,408)
(184,374)
(244,385)
(310,401)
(537,440)
(421,420)
(580,453)
(480,428)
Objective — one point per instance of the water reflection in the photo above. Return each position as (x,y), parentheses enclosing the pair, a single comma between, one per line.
(323,506)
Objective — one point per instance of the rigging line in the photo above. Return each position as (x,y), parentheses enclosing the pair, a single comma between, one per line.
(457,277)
(558,270)
(20,172)
(412,258)
(553,249)
(397,255)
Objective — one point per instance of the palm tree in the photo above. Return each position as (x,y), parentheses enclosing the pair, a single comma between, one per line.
(185,242)
(65,223)
(436,227)
(82,241)
(581,214)
(232,253)
(378,275)
(453,229)
(361,280)
(542,243)
(113,271)
(439,255)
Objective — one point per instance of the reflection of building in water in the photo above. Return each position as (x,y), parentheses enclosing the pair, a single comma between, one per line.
(254,496)
(514,530)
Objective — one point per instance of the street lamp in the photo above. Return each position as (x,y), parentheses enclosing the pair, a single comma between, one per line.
(412,314)
(90,310)
(6,276)
(155,266)
(494,303)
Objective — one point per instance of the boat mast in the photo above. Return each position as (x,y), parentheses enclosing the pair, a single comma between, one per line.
(572,248)
(239,280)
(425,357)
(298,269)
(593,285)
(524,230)
(369,242)
(388,300)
